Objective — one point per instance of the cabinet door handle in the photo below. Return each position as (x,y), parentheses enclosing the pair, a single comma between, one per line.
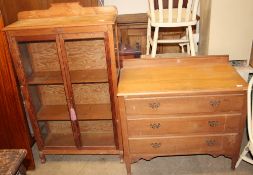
(154,105)
(73,114)
(156,145)
(214,103)
(155,125)
(213,123)
(211,142)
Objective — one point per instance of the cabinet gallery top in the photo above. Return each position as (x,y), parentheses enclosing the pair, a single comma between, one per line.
(184,75)
(65,15)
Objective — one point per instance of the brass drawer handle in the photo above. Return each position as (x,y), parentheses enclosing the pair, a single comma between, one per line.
(211,142)
(156,145)
(215,103)
(154,105)
(213,123)
(155,125)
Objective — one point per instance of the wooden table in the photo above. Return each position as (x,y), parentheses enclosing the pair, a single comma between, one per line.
(181,106)
(11,161)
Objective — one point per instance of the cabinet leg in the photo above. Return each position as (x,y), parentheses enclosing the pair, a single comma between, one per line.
(128,167)
(42,157)
(22,170)
(233,162)
(121,158)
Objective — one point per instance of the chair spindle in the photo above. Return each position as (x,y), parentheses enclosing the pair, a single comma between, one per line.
(170,7)
(188,10)
(195,9)
(179,11)
(160,6)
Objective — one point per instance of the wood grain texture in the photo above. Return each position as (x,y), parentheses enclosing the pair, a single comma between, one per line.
(90,140)
(11,8)
(175,60)
(96,126)
(84,112)
(181,145)
(161,122)
(14,131)
(43,56)
(68,90)
(199,77)
(92,93)
(86,54)
(79,48)
(78,76)
(133,32)
(189,104)
(161,125)
(56,16)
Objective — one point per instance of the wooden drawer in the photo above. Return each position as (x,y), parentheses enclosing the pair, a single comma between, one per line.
(183,125)
(185,104)
(182,145)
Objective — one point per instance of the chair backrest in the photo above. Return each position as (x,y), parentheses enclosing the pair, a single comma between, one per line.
(188,7)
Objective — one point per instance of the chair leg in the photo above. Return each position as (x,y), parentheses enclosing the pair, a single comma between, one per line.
(154,45)
(182,48)
(191,41)
(245,151)
(148,36)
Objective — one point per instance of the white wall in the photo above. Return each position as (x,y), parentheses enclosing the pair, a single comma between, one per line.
(231,28)
(129,6)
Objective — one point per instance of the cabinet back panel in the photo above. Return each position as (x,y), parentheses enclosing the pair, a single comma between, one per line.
(82,54)
(91,93)
(44,56)
(83,94)
(52,94)
(86,54)
(104,126)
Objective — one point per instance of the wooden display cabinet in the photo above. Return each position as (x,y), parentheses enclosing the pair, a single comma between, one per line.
(67,73)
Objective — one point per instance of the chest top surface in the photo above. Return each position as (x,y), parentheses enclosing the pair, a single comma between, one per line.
(64,15)
(184,75)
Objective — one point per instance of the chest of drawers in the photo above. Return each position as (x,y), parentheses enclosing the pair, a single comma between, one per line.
(181,107)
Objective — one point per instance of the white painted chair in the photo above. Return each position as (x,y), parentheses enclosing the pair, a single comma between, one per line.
(249,147)
(171,17)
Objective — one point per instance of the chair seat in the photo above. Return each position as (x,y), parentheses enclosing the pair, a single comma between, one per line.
(165,22)
(10,160)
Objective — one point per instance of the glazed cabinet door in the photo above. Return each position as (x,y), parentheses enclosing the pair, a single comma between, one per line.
(44,85)
(88,68)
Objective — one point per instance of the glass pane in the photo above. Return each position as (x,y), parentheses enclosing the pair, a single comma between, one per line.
(46,89)
(86,60)
(88,69)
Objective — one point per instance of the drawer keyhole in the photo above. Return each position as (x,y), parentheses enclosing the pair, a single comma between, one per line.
(215,103)
(155,125)
(213,123)
(154,105)
(211,142)
(156,145)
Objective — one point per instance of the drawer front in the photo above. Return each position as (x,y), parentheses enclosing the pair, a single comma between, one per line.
(181,145)
(184,105)
(183,125)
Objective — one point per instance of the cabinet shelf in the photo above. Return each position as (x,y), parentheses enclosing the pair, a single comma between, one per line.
(84,112)
(77,76)
(90,140)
